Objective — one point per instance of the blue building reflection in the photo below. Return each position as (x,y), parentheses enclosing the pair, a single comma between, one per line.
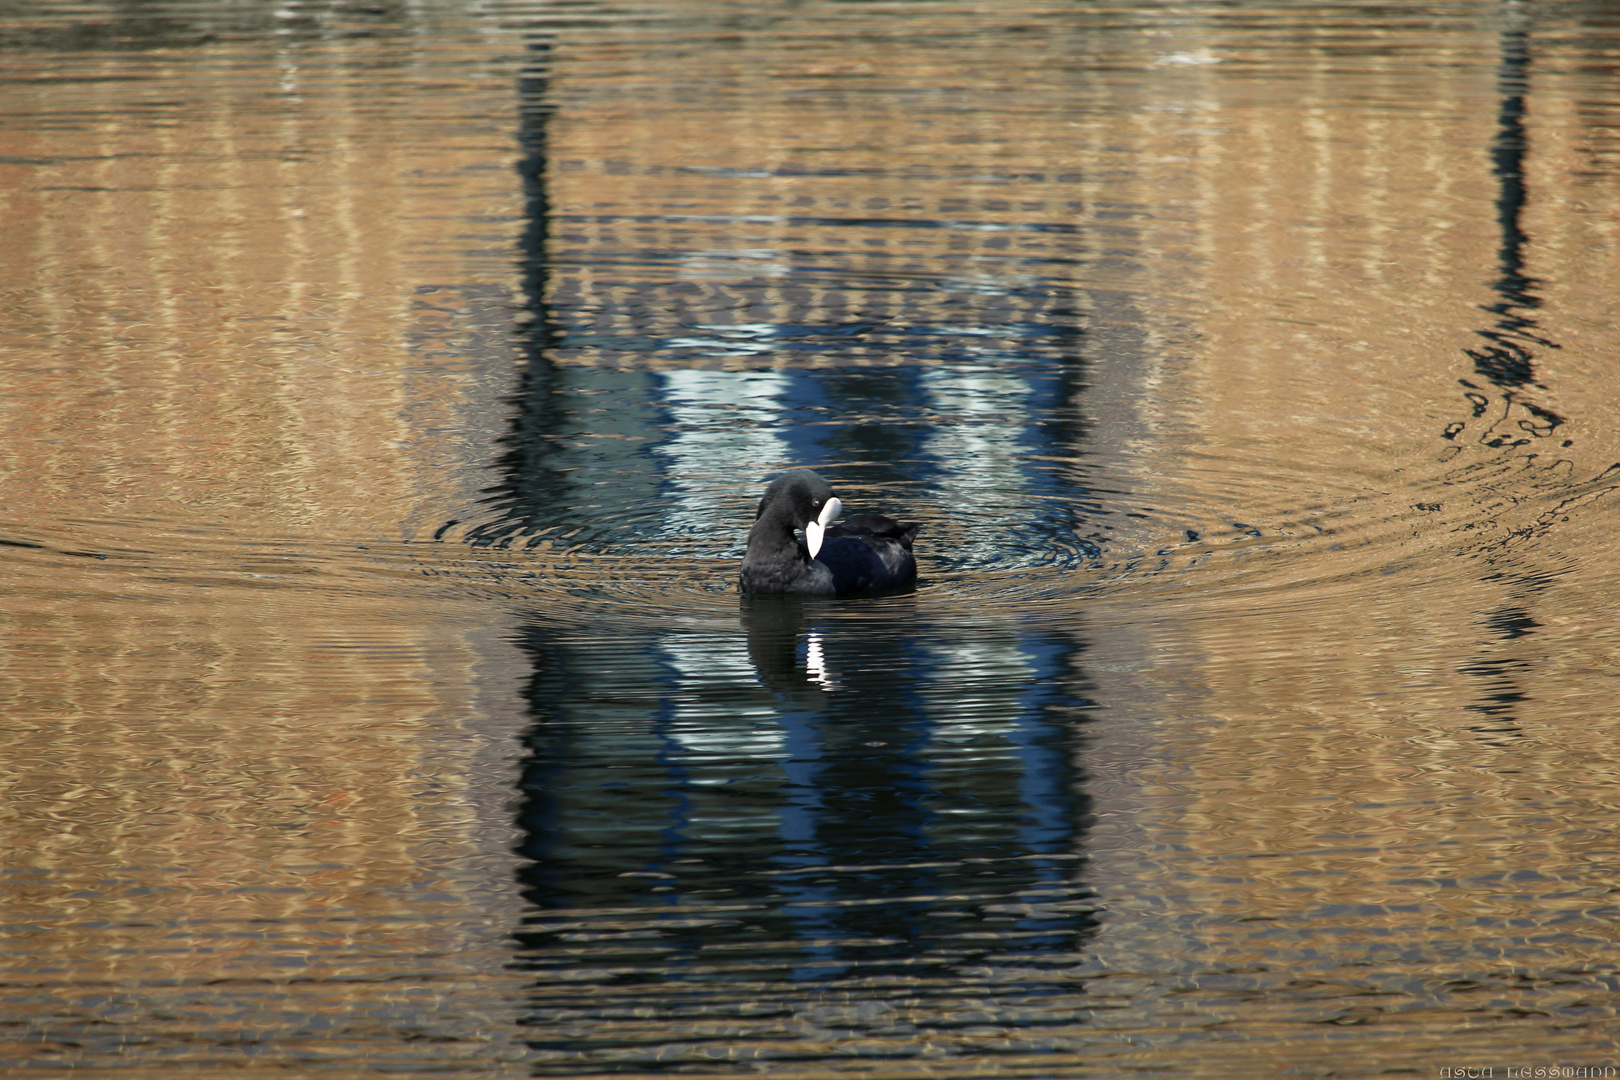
(815,792)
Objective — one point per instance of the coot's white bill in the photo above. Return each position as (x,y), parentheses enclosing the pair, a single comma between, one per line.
(814,529)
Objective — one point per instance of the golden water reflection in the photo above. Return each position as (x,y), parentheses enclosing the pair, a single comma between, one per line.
(243,791)
(1330,638)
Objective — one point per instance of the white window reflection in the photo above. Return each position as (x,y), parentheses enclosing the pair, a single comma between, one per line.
(710,717)
(724,435)
(978,442)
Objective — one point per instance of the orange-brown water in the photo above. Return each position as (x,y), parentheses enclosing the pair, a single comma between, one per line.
(386,392)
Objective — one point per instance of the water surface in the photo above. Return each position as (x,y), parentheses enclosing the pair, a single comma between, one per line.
(387,392)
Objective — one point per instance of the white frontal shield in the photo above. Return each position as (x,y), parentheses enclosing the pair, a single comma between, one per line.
(813,530)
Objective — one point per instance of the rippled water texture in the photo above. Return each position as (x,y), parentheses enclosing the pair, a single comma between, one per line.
(387,388)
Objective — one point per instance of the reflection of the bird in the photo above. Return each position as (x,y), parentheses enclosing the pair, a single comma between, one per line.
(826,794)
(775,627)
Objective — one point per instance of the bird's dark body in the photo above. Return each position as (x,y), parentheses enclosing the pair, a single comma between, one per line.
(867,553)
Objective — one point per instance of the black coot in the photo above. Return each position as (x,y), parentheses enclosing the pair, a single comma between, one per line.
(865,553)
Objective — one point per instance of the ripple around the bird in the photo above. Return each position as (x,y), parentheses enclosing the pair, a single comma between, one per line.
(1051,571)
(1009,563)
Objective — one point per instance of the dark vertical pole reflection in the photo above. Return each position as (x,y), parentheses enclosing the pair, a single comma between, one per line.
(1507,359)
(1075,534)
(529,479)
(1502,695)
